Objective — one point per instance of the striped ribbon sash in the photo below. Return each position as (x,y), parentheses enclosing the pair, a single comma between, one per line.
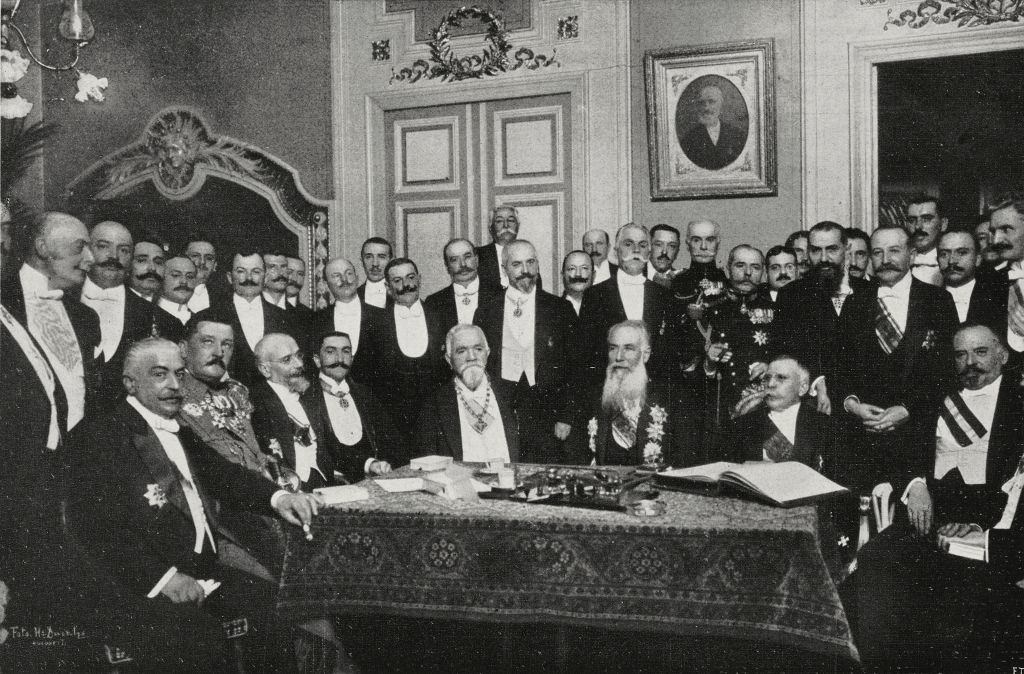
(963,425)
(886,329)
(777,447)
(1016,298)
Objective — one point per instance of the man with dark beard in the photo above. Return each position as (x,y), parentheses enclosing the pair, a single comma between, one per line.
(531,332)
(819,309)
(147,275)
(125,318)
(469,418)
(287,418)
(630,419)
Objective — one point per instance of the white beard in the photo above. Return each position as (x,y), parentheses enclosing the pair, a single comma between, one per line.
(472,376)
(624,389)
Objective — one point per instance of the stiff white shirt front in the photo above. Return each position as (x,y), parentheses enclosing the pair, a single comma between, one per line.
(108,303)
(602,272)
(631,290)
(348,317)
(250,315)
(200,299)
(345,421)
(926,268)
(785,421)
(490,445)
(1015,275)
(179,311)
(897,300)
(305,455)
(467,299)
(411,327)
(962,297)
(517,347)
(376,293)
(281,303)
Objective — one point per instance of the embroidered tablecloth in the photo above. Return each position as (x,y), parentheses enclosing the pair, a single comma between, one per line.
(708,566)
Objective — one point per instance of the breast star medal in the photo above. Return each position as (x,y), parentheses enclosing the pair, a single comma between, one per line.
(466,300)
(155,495)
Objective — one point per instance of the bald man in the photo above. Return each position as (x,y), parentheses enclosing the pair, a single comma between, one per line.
(597,245)
(56,255)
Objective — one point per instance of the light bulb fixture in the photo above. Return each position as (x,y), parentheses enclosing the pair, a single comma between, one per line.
(75,27)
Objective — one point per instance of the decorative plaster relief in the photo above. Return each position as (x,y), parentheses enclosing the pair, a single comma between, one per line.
(964,13)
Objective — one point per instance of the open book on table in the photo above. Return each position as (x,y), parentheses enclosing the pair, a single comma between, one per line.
(785,484)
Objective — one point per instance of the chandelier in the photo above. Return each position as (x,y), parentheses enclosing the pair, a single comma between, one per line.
(75,27)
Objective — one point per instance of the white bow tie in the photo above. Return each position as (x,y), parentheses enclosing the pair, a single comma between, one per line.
(464,293)
(168,425)
(630,280)
(404,312)
(103,295)
(48,295)
(887,293)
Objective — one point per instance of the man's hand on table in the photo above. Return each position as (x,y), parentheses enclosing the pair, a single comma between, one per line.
(378,468)
(967,534)
(298,509)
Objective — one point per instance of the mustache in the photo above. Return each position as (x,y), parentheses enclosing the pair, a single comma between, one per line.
(217,360)
(919,232)
(149,275)
(294,285)
(111,263)
(783,277)
(1000,246)
(972,369)
(185,287)
(337,364)
(525,275)
(279,278)
(887,266)
(407,289)
(663,256)
(578,279)
(464,270)
(954,267)
(249,284)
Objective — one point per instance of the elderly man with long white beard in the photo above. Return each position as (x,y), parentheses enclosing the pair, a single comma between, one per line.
(630,419)
(469,417)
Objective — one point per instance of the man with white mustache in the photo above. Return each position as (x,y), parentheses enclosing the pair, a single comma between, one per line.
(470,417)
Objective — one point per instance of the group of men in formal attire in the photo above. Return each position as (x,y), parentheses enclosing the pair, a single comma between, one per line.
(143,389)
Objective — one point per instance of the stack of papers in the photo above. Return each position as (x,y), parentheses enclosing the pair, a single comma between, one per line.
(345,493)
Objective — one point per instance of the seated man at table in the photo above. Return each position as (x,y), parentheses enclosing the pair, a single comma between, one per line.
(630,419)
(915,600)
(142,507)
(360,433)
(774,425)
(469,417)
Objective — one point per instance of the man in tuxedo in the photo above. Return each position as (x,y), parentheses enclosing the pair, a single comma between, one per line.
(774,425)
(252,316)
(408,365)
(360,321)
(596,244)
(504,229)
(818,312)
(56,253)
(209,285)
(275,279)
(530,331)
(925,224)
(375,255)
(470,417)
(780,265)
(458,302)
(124,317)
(978,298)
(147,274)
(702,240)
(629,418)
(359,434)
(712,143)
(1007,226)
(907,343)
(577,276)
(629,296)
(909,591)
(859,252)
(171,313)
(664,251)
(287,418)
(989,259)
(142,507)
(799,241)
(296,282)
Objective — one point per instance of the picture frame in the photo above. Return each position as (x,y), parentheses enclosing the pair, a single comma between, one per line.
(695,93)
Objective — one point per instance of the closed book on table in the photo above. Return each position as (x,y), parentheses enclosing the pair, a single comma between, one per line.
(784,484)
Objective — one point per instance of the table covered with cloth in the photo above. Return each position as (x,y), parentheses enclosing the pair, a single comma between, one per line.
(708,566)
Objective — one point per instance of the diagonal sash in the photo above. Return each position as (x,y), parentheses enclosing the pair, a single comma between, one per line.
(1016,299)
(886,329)
(778,447)
(962,423)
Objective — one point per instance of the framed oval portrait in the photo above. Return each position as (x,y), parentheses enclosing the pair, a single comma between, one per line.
(711,120)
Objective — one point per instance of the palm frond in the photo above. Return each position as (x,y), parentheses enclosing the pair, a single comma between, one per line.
(21,148)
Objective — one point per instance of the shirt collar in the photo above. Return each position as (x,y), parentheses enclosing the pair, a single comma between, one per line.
(283,392)
(155,421)
(292,301)
(901,290)
(140,295)
(622,278)
(172,307)
(93,292)
(334,387)
(280,304)
(930,258)
(350,308)
(244,304)
(985,391)
(376,286)
(844,285)
(962,293)
(33,281)
(471,288)
(402,311)
(517,296)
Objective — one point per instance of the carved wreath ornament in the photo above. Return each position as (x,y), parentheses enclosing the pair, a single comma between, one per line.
(444,64)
